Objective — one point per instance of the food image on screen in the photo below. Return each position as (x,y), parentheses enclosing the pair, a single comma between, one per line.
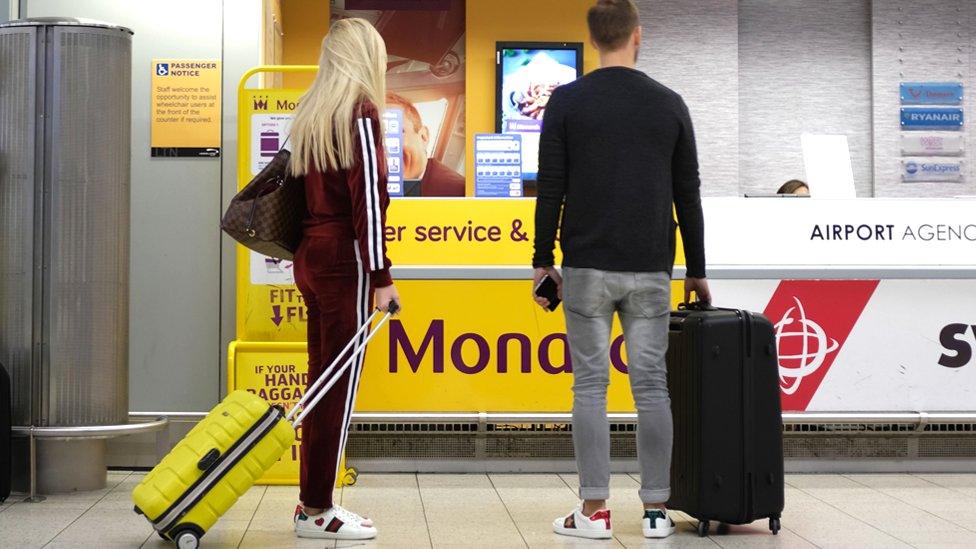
(529,77)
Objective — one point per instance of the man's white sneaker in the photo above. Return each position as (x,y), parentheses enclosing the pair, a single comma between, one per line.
(334,523)
(657,524)
(595,526)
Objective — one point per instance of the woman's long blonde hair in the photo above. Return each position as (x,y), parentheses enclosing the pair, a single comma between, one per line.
(352,69)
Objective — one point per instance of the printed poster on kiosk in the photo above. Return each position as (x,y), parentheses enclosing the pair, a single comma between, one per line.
(266,125)
(425,84)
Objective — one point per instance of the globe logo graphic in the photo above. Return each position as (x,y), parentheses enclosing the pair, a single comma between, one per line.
(798,360)
(911,168)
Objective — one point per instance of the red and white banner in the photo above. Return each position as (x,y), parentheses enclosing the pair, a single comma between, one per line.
(868,345)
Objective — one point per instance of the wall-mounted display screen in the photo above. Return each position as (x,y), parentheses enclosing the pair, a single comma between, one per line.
(527,74)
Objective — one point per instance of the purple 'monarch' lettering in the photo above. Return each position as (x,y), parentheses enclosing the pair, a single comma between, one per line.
(400,340)
(484,354)
(546,364)
(525,352)
(617,354)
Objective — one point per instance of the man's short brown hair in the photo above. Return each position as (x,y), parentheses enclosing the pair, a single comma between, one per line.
(612,22)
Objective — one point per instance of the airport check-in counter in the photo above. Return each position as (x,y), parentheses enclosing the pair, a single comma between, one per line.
(872,300)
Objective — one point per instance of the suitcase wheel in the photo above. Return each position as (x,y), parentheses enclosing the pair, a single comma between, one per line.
(703,526)
(774,525)
(351,476)
(187,536)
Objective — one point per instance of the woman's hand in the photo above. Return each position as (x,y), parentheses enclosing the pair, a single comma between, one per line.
(383,297)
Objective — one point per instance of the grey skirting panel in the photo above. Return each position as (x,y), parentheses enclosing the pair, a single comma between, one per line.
(718,272)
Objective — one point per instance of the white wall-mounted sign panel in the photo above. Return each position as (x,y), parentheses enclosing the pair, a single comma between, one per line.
(932,144)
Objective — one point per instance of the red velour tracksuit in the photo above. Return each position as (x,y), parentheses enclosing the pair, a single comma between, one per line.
(338,264)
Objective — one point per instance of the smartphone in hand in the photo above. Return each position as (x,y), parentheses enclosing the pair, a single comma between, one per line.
(547,289)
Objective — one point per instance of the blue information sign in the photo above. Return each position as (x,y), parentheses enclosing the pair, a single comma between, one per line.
(915,118)
(498,165)
(931,93)
(393,142)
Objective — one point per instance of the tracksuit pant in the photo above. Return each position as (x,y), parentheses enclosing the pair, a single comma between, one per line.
(643,301)
(333,281)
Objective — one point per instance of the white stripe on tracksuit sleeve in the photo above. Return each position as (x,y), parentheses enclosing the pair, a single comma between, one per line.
(374,229)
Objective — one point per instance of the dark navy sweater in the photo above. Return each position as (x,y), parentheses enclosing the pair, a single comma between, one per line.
(617,151)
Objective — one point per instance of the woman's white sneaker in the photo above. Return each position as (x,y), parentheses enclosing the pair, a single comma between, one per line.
(657,524)
(334,523)
(595,526)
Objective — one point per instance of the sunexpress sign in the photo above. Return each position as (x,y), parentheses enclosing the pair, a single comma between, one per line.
(926,170)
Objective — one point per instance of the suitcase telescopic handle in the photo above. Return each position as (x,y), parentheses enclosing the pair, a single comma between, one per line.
(318,383)
(334,377)
(393,308)
(317,391)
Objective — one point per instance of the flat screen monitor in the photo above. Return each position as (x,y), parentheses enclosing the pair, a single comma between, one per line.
(527,74)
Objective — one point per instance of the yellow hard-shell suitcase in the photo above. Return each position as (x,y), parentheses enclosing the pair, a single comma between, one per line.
(216,463)
(226,453)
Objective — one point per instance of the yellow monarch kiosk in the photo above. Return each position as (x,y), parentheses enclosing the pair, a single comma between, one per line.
(470,339)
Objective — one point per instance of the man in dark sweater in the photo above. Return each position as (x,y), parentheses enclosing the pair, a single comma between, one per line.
(617,153)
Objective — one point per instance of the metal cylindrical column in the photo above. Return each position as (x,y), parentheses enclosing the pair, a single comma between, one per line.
(65,119)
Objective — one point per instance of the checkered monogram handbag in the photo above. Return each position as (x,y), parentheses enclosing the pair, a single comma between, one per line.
(266,216)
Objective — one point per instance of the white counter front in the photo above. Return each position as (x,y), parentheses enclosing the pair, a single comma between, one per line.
(874,300)
(825,234)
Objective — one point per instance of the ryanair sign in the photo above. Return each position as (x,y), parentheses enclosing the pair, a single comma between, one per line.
(916,118)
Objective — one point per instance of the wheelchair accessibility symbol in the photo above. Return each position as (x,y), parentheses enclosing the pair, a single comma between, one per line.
(162,69)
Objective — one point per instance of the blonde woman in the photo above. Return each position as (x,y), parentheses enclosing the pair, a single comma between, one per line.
(337,145)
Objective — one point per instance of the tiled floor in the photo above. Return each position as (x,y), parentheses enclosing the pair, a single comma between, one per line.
(857,511)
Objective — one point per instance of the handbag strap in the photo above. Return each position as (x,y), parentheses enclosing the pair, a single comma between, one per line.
(249,226)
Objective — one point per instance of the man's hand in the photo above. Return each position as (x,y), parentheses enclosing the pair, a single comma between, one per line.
(700,287)
(540,272)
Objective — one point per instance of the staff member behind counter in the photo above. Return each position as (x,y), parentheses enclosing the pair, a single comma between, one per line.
(436,179)
(794,187)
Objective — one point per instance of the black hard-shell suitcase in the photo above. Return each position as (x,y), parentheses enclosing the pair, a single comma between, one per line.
(5,398)
(727,461)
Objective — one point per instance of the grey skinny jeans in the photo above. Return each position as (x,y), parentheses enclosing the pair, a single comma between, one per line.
(643,301)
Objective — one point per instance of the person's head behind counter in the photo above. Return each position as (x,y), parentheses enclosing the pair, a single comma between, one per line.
(794,186)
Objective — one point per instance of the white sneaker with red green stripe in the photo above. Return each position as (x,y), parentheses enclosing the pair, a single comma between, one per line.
(595,526)
(333,523)
(657,523)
